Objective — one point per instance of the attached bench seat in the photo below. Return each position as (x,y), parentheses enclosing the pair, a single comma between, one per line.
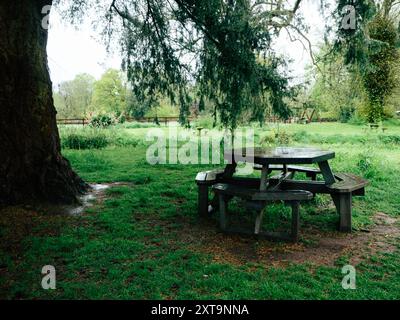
(256,195)
(259,199)
(204,181)
(348,182)
(209,177)
(347,186)
(309,171)
(342,192)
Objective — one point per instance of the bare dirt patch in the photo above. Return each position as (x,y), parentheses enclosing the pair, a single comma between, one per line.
(316,247)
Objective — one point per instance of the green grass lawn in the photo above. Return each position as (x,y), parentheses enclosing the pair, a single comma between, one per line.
(143,240)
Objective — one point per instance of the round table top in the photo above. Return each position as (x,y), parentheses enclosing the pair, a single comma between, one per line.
(279,155)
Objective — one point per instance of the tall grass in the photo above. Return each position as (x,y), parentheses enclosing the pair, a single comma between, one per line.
(135,125)
(83,139)
(95,138)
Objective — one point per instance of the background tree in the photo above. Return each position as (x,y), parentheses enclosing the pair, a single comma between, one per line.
(379,80)
(336,92)
(135,108)
(109,94)
(73,98)
(371,50)
(392,103)
(170,44)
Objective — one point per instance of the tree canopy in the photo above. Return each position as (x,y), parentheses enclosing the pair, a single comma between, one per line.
(109,94)
(224,48)
(73,98)
(371,49)
(170,45)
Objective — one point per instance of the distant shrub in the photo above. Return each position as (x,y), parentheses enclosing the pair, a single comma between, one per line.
(283,138)
(346,113)
(206,122)
(267,140)
(94,138)
(84,141)
(121,119)
(356,120)
(393,139)
(101,121)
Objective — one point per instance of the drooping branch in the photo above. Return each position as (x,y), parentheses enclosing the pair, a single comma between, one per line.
(277,17)
(126,15)
(200,24)
(214,44)
(307,46)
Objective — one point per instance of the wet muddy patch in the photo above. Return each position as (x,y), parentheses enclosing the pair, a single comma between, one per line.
(95,196)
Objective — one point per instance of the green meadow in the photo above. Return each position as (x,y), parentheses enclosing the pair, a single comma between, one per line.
(142,239)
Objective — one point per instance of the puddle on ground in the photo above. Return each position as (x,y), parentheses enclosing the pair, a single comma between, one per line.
(95,195)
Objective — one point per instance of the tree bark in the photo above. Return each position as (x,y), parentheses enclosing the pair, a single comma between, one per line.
(32,168)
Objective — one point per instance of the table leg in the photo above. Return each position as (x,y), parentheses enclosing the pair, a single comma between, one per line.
(258,222)
(203,200)
(295,221)
(343,203)
(327,172)
(263,187)
(264,178)
(223,212)
(230,170)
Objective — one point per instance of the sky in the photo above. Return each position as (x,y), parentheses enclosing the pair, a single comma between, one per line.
(73,50)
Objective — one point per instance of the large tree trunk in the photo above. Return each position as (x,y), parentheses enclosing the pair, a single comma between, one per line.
(32,168)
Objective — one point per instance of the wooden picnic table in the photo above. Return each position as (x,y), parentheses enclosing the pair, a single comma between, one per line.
(341,186)
(285,156)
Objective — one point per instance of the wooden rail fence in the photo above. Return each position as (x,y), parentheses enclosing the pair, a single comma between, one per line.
(164,120)
(73,121)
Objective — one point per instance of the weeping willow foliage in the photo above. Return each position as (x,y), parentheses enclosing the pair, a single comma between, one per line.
(173,46)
